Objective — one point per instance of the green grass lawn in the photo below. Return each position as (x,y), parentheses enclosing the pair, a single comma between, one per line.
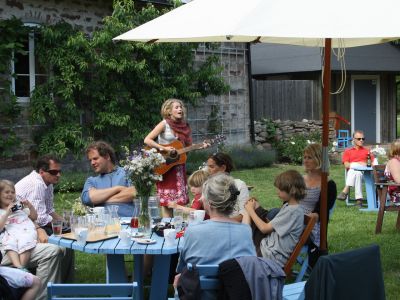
(348,229)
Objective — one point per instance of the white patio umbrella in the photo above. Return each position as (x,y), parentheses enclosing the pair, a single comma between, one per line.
(316,23)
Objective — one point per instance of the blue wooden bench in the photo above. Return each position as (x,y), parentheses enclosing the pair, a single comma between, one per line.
(210,281)
(106,291)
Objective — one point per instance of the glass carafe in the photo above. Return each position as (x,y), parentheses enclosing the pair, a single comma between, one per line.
(113,224)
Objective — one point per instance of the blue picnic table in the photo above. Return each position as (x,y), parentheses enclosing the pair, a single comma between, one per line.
(369,188)
(115,266)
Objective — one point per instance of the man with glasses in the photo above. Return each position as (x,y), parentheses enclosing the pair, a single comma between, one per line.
(38,188)
(353,157)
(52,263)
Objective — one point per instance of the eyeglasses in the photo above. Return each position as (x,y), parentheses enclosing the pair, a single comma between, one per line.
(53,172)
(360,139)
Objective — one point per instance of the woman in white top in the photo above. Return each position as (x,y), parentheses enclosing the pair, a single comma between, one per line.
(173,127)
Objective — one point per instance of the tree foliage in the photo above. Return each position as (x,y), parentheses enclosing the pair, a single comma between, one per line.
(12,35)
(100,89)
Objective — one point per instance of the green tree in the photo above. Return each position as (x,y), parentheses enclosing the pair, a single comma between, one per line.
(13,34)
(100,89)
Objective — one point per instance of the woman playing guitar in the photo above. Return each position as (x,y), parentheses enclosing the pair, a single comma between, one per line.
(173,126)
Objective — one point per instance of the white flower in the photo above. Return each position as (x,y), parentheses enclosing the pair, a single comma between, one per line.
(378,151)
(308,142)
(139,167)
(293,143)
(334,144)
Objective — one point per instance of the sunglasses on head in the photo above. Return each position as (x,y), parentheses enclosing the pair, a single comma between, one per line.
(360,139)
(53,172)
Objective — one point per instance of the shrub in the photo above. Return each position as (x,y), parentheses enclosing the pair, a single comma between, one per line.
(244,157)
(292,150)
(71,182)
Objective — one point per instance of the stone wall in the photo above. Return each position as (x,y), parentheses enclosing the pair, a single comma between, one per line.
(87,14)
(227,114)
(286,129)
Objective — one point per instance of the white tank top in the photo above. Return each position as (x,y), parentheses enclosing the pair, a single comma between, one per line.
(167,136)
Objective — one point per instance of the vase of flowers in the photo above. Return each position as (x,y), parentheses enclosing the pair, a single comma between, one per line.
(139,168)
(380,154)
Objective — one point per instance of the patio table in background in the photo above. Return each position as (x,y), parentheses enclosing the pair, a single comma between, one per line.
(115,266)
(369,188)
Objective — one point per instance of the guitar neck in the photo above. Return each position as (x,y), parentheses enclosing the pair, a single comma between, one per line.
(189,148)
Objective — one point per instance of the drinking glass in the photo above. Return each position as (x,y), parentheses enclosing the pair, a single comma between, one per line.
(154,210)
(178,218)
(67,216)
(57,227)
(81,231)
(135,216)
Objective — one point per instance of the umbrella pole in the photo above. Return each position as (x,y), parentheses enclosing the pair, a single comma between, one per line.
(325,141)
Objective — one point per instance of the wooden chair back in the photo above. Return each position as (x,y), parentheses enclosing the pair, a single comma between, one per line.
(379,174)
(382,185)
(107,291)
(309,223)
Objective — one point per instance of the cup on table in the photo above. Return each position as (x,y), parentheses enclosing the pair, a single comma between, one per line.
(56,225)
(170,236)
(81,235)
(199,215)
(125,237)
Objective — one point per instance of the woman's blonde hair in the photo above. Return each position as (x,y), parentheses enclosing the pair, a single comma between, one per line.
(394,149)
(166,108)
(198,178)
(292,183)
(221,193)
(6,183)
(315,152)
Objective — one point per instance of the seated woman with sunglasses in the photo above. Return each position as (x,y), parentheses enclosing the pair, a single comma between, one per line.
(353,157)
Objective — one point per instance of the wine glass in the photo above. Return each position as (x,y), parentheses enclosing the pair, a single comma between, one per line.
(135,217)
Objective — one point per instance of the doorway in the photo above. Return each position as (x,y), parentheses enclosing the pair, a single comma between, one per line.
(365,106)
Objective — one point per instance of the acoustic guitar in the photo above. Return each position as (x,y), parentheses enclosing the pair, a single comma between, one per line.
(178,156)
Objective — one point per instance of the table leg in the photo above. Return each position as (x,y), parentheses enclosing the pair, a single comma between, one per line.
(115,268)
(370,189)
(159,280)
(138,274)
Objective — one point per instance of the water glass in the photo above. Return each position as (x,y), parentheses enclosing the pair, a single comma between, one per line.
(154,210)
(178,218)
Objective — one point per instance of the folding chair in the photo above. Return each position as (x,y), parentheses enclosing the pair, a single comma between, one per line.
(355,274)
(309,223)
(343,139)
(208,275)
(382,186)
(107,291)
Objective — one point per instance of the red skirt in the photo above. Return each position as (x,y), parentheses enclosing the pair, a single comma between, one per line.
(173,187)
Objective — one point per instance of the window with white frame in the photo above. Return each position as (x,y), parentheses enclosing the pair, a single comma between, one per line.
(27,70)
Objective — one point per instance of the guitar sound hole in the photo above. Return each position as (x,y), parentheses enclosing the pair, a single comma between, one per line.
(173,154)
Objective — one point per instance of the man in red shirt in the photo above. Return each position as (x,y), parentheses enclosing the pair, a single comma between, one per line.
(352,157)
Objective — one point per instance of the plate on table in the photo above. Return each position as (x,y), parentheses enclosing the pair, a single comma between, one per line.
(136,235)
(145,241)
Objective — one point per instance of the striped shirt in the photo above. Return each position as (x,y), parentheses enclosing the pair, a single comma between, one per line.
(33,188)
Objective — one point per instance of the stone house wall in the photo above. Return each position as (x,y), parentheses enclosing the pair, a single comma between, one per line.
(227,114)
